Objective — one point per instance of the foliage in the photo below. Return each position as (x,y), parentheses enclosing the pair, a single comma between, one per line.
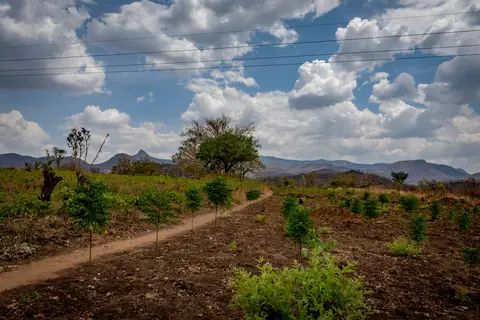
(464,221)
(194,199)
(58,154)
(404,247)
(325,230)
(356,207)
(289,205)
(332,196)
(346,203)
(383,198)
(435,209)
(366,195)
(409,203)
(30,207)
(476,210)
(417,228)
(79,141)
(89,206)
(158,205)
(471,256)
(350,192)
(399,179)
(371,210)
(253,194)
(261,218)
(136,167)
(233,245)
(451,216)
(299,224)
(219,192)
(322,290)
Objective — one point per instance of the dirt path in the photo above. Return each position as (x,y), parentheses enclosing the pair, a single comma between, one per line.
(48,268)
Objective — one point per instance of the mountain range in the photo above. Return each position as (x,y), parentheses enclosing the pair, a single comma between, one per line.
(417,169)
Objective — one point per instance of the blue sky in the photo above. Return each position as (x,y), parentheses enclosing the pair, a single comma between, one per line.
(363,112)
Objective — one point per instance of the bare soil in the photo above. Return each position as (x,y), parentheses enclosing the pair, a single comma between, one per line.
(189,279)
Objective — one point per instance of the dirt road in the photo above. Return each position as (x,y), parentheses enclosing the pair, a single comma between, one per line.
(48,268)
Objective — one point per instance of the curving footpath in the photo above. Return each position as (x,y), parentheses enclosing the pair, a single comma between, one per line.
(49,268)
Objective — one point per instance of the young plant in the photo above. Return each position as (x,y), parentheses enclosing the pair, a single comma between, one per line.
(233,245)
(332,197)
(464,221)
(261,218)
(219,193)
(366,195)
(409,203)
(476,210)
(322,290)
(356,207)
(88,208)
(299,225)
(399,179)
(435,209)
(404,248)
(417,228)
(253,194)
(371,210)
(325,230)
(383,199)
(471,256)
(346,203)
(158,205)
(289,204)
(194,201)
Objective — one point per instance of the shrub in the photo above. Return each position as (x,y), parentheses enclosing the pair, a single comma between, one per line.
(383,198)
(299,224)
(289,204)
(435,209)
(476,210)
(371,210)
(451,216)
(261,218)
(471,256)
(88,208)
(366,195)
(253,194)
(332,197)
(409,203)
(325,230)
(219,193)
(404,248)
(356,207)
(322,290)
(417,228)
(346,203)
(350,192)
(464,221)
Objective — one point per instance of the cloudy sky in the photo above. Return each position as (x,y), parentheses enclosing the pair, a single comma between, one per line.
(311,105)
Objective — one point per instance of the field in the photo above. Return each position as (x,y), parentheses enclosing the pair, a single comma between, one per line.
(190,277)
(30,230)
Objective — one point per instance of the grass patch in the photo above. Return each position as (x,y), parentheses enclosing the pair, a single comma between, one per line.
(404,247)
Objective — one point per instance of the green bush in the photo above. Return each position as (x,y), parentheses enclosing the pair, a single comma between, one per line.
(323,290)
(464,222)
(350,192)
(289,204)
(299,224)
(356,207)
(253,194)
(219,193)
(476,210)
(346,203)
(409,203)
(435,209)
(371,210)
(417,228)
(404,248)
(383,198)
(366,195)
(471,256)
(261,218)
(332,196)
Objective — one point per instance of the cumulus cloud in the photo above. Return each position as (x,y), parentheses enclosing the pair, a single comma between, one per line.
(148,95)
(320,86)
(124,136)
(182,17)
(21,136)
(402,88)
(24,22)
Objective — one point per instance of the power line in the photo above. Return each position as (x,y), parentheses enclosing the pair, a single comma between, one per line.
(229,67)
(240,59)
(234,31)
(240,46)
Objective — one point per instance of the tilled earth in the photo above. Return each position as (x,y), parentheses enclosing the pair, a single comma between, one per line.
(189,279)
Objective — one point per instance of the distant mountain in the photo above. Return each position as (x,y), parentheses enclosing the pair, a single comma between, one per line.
(417,169)
(13,160)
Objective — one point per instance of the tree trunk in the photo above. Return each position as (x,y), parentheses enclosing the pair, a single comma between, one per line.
(90,255)
(193,216)
(156,239)
(215,227)
(50,181)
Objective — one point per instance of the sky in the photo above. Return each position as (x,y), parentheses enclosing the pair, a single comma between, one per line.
(311,105)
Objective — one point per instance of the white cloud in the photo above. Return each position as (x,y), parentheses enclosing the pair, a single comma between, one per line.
(24,22)
(146,18)
(379,76)
(320,86)
(402,88)
(21,136)
(124,135)
(148,95)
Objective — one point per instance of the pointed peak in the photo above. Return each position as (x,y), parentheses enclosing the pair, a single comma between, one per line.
(142,152)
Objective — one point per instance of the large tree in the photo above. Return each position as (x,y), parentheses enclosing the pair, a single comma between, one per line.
(241,158)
